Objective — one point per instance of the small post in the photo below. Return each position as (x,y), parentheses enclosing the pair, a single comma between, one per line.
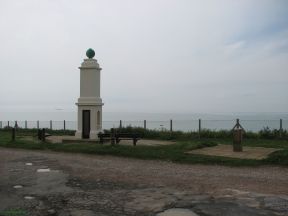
(145,124)
(13,134)
(50,124)
(38,124)
(64,124)
(39,134)
(281,128)
(171,125)
(16,125)
(199,128)
(43,135)
(120,126)
(26,124)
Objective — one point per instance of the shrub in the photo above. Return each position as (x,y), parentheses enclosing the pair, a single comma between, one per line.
(267,133)
(278,157)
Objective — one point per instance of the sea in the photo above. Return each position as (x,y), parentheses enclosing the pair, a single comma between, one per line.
(158,121)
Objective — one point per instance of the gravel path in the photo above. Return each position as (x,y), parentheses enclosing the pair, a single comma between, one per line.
(104,185)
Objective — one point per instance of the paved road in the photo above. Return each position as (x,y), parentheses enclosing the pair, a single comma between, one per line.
(78,184)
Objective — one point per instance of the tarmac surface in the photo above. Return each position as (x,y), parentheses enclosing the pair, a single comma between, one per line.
(46,183)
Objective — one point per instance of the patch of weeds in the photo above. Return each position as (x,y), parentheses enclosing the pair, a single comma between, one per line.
(13,212)
(279,157)
(205,144)
(174,152)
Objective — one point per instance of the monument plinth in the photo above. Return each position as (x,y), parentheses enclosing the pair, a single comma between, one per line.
(89,103)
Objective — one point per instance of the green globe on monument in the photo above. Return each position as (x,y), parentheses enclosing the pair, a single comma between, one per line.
(90,53)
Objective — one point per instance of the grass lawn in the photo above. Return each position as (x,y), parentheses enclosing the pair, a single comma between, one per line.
(173,153)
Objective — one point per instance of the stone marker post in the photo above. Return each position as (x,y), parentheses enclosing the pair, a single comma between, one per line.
(237,137)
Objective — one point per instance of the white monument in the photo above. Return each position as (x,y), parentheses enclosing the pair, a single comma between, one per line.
(90,103)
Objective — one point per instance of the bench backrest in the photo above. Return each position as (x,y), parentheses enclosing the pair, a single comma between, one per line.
(119,135)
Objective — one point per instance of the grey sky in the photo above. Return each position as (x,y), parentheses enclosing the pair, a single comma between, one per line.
(156,55)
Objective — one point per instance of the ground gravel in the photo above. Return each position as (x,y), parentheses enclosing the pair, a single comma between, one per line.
(79,184)
(202,178)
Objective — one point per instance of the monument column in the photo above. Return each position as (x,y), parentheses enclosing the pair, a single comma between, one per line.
(89,103)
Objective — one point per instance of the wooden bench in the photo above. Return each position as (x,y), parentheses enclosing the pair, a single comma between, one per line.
(127,136)
(117,137)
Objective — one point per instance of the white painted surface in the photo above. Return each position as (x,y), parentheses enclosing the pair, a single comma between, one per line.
(90,97)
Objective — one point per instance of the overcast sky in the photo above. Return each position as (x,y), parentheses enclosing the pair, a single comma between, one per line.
(156,55)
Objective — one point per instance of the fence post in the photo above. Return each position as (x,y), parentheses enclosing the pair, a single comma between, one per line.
(64,124)
(13,134)
(50,124)
(281,128)
(171,125)
(16,125)
(120,126)
(145,124)
(26,124)
(199,128)
(38,124)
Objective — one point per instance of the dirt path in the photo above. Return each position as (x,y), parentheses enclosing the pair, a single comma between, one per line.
(80,184)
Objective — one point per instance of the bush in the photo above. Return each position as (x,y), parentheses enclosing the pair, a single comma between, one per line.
(251,135)
(278,157)
(34,131)
(174,135)
(267,133)
(206,133)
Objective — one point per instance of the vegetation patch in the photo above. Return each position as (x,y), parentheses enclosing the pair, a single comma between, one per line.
(27,139)
(13,212)
(279,157)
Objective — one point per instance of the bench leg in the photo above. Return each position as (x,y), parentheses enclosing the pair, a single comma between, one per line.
(112,141)
(134,141)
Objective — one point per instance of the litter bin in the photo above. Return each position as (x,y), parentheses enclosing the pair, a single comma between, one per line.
(237,140)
